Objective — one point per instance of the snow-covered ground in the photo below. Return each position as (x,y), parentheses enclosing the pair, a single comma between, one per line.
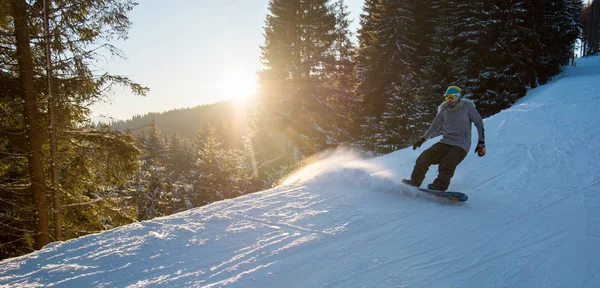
(532,219)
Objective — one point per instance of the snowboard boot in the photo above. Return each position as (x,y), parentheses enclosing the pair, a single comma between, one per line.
(410,182)
(433,187)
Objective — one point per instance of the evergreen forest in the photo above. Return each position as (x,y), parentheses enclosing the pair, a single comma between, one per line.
(322,86)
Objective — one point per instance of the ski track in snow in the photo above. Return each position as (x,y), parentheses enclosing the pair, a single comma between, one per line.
(532,220)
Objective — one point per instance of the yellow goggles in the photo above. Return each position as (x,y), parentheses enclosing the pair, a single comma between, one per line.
(451,97)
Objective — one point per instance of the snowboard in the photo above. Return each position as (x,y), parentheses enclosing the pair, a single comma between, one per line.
(451,195)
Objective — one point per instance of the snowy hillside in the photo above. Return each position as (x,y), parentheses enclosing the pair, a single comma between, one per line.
(532,219)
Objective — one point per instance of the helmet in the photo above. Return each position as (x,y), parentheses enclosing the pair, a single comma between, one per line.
(453,93)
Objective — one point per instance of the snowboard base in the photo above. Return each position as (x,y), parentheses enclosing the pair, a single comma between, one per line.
(451,195)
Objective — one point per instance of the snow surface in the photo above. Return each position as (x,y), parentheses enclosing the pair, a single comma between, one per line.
(532,219)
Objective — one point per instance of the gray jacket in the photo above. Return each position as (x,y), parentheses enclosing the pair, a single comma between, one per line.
(455,124)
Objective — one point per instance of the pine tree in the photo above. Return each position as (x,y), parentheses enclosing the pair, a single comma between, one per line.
(176,155)
(438,19)
(93,172)
(467,45)
(557,27)
(416,86)
(221,173)
(369,60)
(141,139)
(17,233)
(151,194)
(495,82)
(342,81)
(396,71)
(79,165)
(590,20)
(30,114)
(155,147)
(290,117)
(209,185)
(446,18)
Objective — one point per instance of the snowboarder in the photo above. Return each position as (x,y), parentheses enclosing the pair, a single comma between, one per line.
(453,121)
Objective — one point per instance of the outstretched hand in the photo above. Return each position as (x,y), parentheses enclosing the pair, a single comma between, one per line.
(418,143)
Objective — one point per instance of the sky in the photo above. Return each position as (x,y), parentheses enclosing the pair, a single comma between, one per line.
(532,218)
(189,53)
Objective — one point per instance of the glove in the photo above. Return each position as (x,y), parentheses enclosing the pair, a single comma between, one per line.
(480,149)
(418,143)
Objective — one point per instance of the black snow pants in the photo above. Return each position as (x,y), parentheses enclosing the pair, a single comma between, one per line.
(447,156)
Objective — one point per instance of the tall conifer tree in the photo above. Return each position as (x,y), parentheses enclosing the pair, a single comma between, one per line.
(74,34)
(396,70)
(30,114)
(342,80)
(290,117)
(370,61)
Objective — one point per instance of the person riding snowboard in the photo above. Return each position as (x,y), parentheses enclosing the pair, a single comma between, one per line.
(453,121)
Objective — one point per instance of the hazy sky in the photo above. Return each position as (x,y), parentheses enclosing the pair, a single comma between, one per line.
(189,53)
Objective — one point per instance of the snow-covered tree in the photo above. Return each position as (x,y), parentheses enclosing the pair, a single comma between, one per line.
(396,69)
(221,173)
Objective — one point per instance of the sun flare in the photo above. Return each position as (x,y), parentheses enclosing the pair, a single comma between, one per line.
(237,85)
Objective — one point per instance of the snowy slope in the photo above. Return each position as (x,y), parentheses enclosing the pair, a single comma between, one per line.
(532,219)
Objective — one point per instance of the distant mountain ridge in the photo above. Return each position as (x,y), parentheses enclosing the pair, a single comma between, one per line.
(187,122)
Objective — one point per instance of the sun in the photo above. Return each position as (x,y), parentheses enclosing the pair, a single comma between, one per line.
(238,85)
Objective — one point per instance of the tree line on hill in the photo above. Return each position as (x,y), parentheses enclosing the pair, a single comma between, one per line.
(62,176)
(187,122)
